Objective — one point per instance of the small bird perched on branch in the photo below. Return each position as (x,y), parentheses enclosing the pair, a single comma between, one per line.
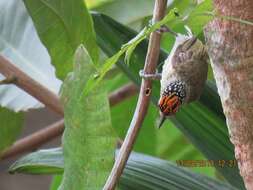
(183,75)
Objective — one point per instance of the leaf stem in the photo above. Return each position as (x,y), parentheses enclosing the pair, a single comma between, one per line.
(54,130)
(143,100)
(32,87)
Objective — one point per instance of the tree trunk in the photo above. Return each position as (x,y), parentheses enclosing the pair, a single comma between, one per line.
(230,47)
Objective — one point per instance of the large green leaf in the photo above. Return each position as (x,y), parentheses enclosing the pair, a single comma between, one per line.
(145,172)
(11,126)
(20,43)
(141,172)
(88,139)
(129,12)
(207,121)
(62,26)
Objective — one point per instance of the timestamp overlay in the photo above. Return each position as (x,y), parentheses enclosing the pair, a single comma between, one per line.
(207,163)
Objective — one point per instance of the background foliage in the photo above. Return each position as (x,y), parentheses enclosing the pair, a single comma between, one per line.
(197,132)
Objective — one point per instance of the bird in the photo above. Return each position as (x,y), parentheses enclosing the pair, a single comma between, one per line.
(184,74)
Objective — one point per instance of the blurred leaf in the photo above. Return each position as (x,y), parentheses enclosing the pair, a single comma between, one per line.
(19,42)
(62,26)
(121,118)
(145,172)
(126,12)
(88,139)
(141,172)
(197,19)
(92,4)
(11,126)
(56,182)
(210,93)
(110,36)
(176,146)
(48,161)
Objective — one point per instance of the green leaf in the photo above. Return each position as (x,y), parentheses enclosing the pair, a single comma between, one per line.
(110,36)
(48,161)
(190,14)
(20,44)
(126,12)
(92,4)
(199,16)
(56,182)
(176,146)
(88,139)
(62,26)
(145,172)
(11,126)
(141,172)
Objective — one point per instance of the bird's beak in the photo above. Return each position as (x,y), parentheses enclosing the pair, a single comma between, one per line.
(161,120)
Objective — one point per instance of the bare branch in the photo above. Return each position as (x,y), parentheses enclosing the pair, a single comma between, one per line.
(15,76)
(32,87)
(35,140)
(143,100)
(43,136)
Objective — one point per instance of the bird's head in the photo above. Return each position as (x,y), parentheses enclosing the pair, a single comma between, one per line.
(171,99)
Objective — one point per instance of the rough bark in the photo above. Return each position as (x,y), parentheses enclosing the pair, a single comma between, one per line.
(230,47)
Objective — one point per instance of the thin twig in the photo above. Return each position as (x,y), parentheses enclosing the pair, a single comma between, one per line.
(43,136)
(143,100)
(32,87)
